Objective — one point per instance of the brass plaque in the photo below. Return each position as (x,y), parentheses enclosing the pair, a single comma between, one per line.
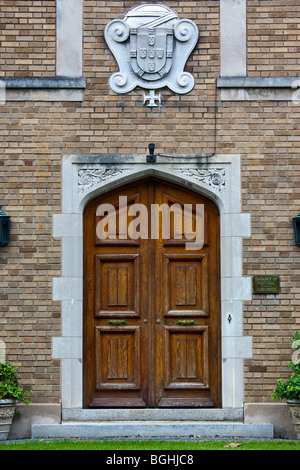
(266,284)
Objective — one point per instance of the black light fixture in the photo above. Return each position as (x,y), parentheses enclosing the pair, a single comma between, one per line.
(296,222)
(151,158)
(4,228)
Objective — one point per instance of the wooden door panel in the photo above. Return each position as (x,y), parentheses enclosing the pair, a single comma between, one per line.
(186,351)
(186,284)
(118,358)
(183,224)
(117,285)
(112,221)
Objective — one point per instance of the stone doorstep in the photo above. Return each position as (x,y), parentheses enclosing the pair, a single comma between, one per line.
(44,421)
(165,429)
(154,414)
(168,423)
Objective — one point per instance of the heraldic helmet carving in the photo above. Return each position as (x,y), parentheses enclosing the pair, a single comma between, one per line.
(151,45)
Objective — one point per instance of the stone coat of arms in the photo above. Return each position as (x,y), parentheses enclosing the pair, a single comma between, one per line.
(151,45)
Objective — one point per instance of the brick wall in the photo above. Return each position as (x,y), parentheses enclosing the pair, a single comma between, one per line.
(273,37)
(35,135)
(267,137)
(27,31)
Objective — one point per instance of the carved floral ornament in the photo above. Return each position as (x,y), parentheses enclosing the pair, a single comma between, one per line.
(90,177)
(213,177)
(151,45)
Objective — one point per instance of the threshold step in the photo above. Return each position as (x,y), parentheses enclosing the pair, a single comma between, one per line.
(167,429)
(153,414)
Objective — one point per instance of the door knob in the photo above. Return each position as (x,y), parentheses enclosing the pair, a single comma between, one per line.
(145,321)
(158,320)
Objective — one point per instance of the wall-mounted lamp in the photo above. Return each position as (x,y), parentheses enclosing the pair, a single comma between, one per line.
(151,158)
(4,228)
(296,222)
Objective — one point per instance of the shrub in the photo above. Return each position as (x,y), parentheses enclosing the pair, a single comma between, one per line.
(290,389)
(10,388)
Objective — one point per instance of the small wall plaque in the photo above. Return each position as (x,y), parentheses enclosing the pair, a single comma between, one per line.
(266,284)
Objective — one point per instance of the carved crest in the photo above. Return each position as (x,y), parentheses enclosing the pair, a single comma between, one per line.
(151,52)
(151,45)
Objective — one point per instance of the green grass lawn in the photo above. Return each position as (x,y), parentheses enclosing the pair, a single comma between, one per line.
(150,445)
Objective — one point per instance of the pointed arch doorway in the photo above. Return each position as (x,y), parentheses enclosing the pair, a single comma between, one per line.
(151,325)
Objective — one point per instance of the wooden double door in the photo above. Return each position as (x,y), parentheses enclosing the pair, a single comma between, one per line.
(152,305)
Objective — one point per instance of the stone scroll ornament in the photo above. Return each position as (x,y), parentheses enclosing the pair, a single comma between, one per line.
(151,45)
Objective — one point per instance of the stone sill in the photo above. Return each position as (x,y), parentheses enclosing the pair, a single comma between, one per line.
(43,89)
(259,88)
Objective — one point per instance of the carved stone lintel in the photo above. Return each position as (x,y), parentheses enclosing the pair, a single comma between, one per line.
(89,177)
(214,177)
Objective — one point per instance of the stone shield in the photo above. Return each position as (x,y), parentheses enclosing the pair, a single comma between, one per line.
(151,52)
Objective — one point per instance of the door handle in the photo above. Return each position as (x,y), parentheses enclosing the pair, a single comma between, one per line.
(116,322)
(186,322)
